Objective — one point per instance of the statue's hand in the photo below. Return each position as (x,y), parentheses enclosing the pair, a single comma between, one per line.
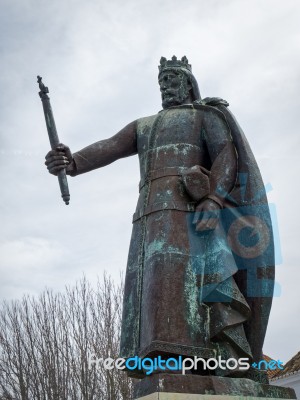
(206,216)
(58,159)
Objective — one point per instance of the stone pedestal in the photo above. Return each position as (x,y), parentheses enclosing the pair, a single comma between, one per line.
(186,396)
(195,387)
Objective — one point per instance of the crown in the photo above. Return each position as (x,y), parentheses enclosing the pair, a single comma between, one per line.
(174,63)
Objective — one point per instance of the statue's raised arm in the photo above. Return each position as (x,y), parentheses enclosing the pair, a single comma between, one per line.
(96,155)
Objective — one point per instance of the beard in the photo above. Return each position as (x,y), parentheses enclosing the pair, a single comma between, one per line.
(175,97)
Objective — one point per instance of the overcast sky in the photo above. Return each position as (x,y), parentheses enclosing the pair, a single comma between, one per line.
(99,59)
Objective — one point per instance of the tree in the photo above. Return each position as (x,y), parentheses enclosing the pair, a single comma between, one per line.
(45,342)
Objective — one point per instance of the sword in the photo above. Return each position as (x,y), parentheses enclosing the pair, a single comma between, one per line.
(53,137)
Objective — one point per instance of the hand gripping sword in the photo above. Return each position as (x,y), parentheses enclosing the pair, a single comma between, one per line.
(53,137)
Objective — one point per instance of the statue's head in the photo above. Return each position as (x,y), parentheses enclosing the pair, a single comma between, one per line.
(177,83)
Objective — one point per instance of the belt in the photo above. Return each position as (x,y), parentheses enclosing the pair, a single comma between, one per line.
(166,205)
(160,173)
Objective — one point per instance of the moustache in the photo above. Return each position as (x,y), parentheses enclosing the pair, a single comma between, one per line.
(169,93)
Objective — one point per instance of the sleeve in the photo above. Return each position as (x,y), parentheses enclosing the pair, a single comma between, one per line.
(222,154)
(104,152)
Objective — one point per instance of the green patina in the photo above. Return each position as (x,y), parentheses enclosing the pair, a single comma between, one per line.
(192,305)
(157,246)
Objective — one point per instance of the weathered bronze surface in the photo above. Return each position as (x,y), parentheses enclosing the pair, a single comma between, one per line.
(200,270)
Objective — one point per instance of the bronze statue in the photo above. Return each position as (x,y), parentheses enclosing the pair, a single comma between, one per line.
(200,270)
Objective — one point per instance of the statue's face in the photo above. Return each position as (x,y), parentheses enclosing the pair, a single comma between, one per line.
(175,88)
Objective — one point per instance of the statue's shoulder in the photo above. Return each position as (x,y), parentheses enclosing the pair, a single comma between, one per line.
(146,121)
(212,106)
(211,101)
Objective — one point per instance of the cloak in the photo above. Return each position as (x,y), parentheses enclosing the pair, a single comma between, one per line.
(248,212)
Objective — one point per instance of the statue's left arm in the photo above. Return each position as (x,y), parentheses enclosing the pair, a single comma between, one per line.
(223,157)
